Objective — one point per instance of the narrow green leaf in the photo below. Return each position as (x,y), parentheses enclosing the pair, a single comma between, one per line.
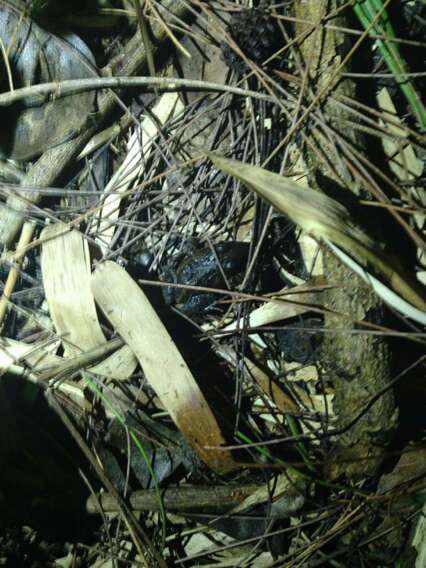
(140,448)
(366,11)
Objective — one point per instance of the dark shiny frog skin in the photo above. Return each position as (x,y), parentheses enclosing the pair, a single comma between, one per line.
(200,268)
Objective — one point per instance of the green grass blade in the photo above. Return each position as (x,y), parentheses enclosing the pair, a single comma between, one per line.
(303,451)
(366,11)
(141,450)
(299,473)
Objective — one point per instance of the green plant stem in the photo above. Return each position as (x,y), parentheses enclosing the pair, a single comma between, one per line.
(141,450)
(294,429)
(366,11)
(299,473)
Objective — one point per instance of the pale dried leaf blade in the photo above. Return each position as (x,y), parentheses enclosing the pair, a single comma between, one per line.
(130,312)
(324,218)
(66,277)
(313,211)
(283,305)
(381,290)
(139,148)
(402,158)
(65,267)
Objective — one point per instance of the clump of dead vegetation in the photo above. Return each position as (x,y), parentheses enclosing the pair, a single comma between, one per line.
(213,271)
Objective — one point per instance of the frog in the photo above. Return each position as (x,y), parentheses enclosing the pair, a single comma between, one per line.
(299,345)
(200,268)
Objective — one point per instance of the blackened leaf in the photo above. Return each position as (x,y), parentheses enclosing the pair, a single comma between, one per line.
(36,55)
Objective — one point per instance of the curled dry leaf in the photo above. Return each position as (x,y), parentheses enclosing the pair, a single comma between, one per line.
(284,304)
(131,314)
(65,264)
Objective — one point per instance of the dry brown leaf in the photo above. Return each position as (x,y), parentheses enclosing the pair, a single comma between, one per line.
(130,312)
(271,389)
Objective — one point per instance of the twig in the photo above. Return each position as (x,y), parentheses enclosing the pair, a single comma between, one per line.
(26,236)
(72,86)
(177,498)
(6,64)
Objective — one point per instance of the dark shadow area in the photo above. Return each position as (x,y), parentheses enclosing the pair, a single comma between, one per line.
(39,481)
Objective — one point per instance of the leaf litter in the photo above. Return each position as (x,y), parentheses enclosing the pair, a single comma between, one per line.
(132,312)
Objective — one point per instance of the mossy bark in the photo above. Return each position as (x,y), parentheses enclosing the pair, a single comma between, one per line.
(357,364)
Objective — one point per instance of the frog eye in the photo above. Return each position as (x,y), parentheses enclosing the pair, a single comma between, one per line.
(144,258)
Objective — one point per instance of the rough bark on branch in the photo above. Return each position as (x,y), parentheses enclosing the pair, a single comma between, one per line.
(356,363)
